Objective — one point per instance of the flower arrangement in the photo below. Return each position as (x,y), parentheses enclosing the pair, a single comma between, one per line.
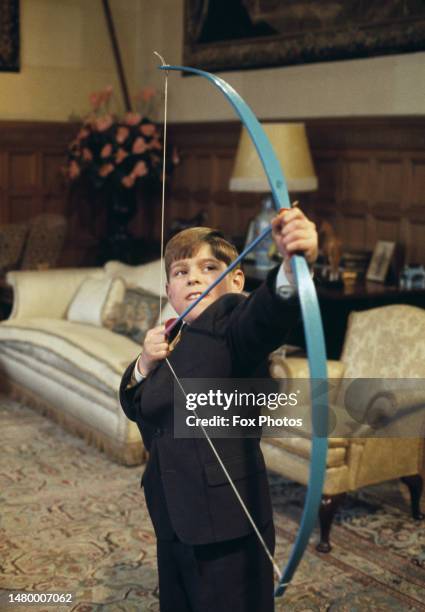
(118,152)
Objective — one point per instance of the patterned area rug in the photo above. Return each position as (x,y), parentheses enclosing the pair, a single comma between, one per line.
(74,522)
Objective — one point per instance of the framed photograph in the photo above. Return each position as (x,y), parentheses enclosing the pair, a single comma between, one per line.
(9,35)
(222,35)
(381,260)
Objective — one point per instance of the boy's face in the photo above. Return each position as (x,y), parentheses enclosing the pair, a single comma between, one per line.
(188,278)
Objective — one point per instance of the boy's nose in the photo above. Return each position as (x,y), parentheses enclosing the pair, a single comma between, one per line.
(192,277)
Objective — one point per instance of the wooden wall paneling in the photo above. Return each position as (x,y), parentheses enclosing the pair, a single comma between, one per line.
(355,232)
(224,210)
(22,171)
(53,180)
(3,187)
(178,192)
(415,251)
(23,198)
(19,209)
(413,221)
(355,186)
(205,182)
(31,157)
(416,191)
(390,177)
(206,151)
(371,180)
(245,207)
(327,169)
(322,204)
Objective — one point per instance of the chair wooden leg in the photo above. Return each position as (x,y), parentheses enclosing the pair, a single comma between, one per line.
(415,484)
(328,507)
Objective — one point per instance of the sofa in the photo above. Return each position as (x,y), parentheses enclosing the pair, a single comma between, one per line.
(68,369)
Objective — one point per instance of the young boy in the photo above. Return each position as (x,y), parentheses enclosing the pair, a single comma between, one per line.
(209,557)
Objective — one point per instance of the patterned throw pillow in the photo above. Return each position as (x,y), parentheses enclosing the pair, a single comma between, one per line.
(95,300)
(135,315)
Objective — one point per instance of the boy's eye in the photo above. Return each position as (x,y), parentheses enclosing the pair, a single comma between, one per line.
(211,267)
(179,272)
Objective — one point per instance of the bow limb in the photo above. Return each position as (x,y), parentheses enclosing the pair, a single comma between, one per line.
(312,322)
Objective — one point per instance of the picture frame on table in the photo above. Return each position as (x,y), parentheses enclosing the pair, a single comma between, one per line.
(380,263)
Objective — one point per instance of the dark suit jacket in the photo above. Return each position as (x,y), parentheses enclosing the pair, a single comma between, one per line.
(186,491)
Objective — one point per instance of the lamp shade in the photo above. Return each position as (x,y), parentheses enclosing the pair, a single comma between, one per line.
(289,141)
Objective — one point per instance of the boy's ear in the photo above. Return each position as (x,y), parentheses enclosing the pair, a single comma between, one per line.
(238,280)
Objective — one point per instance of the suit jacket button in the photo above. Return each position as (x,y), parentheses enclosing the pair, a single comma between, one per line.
(158,432)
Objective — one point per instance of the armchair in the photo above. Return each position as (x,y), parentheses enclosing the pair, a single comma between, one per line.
(12,241)
(45,240)
(385,342)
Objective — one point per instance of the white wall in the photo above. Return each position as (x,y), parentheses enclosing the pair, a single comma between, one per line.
(65,55)
(391,85)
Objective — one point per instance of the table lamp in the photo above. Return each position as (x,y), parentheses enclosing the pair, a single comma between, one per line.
(289,141)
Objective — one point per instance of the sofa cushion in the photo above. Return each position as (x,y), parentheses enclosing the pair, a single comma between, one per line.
(135,315)
(95,299)
(167,312)
(147,276)
(89,352)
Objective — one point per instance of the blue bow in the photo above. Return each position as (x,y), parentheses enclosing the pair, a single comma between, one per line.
(312,322)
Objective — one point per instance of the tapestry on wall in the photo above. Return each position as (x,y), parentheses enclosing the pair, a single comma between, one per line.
(240,34)
(9,35)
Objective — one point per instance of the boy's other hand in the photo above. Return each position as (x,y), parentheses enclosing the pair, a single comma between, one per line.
(155,348)
(294,233)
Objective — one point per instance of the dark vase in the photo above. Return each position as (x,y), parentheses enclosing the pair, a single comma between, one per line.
(121,207)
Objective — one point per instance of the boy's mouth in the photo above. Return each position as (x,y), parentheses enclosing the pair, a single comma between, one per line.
(192,296)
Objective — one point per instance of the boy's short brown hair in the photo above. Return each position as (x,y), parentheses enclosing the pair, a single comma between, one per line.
(188,242)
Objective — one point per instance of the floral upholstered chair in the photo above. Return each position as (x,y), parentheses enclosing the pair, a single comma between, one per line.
(12,241)
(380,344)
(45,241)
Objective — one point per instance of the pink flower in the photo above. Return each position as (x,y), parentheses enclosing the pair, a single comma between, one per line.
(148,129)
(74,170)
(95,100)
(107,93)
(139,169)
(155,144)
(83,133)
(105,170)
(122,134)
(132,118)
(87,154)
(128,181)
(120,155)
(139,145)
(103,123)
(106,150)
